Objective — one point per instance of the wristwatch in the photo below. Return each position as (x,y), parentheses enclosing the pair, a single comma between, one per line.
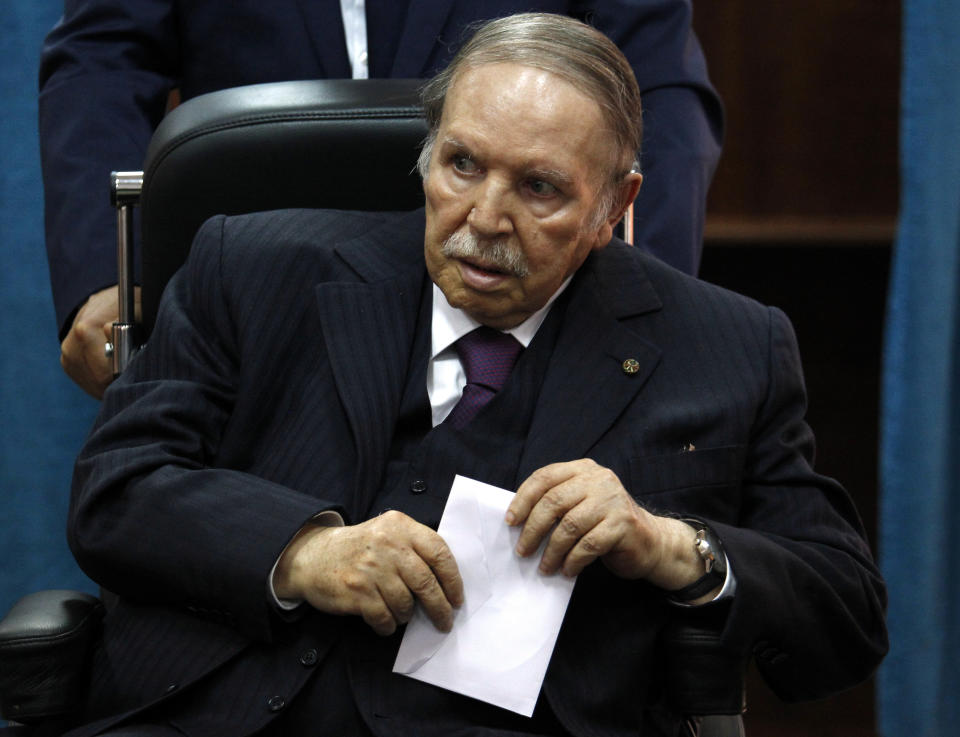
(714,563)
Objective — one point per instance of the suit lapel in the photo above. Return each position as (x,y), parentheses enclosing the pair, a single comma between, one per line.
(598,365)
(325,28)
(369,328)
(424,24)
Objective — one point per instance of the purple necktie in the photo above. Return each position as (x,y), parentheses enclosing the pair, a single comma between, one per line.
(488,357)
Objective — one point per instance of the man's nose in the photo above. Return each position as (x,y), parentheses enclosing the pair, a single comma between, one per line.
(490,214)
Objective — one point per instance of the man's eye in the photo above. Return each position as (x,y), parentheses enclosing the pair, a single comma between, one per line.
(463,163)
(541,188)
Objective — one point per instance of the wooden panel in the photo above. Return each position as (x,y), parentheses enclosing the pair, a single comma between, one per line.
(811,89)
(801,214)
(777,230)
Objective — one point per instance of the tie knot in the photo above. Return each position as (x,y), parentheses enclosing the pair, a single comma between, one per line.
(488,356)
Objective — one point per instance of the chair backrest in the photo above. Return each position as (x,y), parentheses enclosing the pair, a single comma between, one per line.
(344,144)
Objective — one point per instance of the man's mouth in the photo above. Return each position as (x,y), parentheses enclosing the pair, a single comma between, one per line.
(480,275)
(487,268)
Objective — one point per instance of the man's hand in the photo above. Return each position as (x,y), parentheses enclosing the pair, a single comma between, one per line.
(82,351)
(377,569)
(596,517)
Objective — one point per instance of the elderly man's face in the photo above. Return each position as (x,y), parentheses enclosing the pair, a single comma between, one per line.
(515,178)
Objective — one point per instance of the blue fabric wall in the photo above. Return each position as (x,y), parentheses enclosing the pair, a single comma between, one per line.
(43,416)
(919,685)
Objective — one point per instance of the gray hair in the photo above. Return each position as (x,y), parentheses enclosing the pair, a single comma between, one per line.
(573,51)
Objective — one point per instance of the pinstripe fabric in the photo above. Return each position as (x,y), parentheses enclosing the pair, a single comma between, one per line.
(271,389)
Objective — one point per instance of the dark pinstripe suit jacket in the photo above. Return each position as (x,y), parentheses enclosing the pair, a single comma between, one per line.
(270,389)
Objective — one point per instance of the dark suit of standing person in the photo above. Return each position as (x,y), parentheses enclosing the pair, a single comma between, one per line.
(263,484)
(108,66)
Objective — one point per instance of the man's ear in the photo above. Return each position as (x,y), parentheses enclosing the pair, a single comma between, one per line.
(626,194)
(629,188)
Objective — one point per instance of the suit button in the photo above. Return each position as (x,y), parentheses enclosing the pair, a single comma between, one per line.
(276,703)
(309,657)
(418,487)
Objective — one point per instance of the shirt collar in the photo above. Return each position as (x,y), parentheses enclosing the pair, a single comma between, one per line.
(450,324)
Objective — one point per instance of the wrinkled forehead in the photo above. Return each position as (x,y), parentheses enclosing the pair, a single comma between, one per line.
(526,107)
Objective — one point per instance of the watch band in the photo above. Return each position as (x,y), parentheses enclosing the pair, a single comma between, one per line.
(702,586)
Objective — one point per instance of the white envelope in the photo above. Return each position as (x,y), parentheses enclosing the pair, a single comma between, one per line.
(503,636)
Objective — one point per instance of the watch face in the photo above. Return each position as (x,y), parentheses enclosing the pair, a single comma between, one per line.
(707,548)
(704,549)
(710,550)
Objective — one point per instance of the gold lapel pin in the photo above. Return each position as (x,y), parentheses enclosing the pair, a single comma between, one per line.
(631,366)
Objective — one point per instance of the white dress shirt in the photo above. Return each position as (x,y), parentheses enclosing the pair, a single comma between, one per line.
(354,16)
(445,375)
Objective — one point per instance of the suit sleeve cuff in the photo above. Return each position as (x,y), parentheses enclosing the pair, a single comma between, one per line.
(328,518)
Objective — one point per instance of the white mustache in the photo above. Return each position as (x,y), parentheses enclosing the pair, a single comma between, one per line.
(502,255)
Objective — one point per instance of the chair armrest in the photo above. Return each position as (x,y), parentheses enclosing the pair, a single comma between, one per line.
(703,676)
(45,644)
(721,725)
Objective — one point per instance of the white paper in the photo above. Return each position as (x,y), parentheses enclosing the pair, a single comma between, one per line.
(503,635)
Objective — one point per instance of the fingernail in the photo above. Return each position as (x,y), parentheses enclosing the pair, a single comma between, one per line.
(511,518)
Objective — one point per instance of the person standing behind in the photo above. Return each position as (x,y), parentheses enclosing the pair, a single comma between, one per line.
(108,67)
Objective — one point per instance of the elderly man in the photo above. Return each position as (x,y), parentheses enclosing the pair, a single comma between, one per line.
(266,506)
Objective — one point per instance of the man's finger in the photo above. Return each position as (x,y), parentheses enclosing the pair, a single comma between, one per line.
(594,544)
(82,351)
(377,614)
(437,555)
(552,508)
(92,372)
(435,581)
(565,535)
(425,587)
(398,598)
(534,487)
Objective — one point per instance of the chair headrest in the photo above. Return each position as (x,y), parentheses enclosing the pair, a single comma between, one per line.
(344,144)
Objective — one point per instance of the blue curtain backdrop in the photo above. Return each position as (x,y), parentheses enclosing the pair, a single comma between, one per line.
(919,692)
(43,417)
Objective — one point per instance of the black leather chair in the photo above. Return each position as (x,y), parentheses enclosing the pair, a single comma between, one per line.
(335,143)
